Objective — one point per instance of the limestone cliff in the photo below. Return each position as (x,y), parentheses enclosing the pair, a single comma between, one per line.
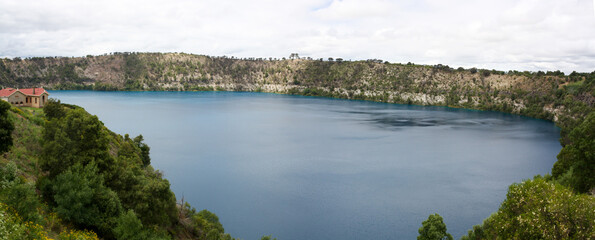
(543,95)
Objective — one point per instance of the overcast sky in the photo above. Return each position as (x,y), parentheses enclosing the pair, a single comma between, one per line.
(500,34)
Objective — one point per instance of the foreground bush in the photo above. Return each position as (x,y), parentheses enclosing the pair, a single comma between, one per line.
(433,229)
(12,226)
(540,209)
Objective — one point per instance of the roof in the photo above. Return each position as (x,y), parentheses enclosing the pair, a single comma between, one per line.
(27,91)
(7,92)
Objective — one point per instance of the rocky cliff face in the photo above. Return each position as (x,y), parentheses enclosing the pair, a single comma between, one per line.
(540,95)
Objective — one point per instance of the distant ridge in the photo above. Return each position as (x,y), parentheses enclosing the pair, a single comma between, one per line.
(537,94)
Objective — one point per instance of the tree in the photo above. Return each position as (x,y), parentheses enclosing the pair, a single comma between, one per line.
(576,160)
(129,227)
(82,199)
(155,202)
(6,127)
(485,73)
(208,225)
(433,229)
(145,149)
(16,193)
(212,220)
(539,209)
(78,137)
(24,200)
(53,109)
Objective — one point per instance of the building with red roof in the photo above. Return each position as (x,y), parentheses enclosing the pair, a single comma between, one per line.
(27,97)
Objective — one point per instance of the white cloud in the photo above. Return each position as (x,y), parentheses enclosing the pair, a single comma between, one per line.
(349,10)
(504,34)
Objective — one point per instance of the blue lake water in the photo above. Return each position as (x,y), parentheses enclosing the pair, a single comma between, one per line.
(316,168)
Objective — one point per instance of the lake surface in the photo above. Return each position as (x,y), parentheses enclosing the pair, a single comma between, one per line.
(316,168)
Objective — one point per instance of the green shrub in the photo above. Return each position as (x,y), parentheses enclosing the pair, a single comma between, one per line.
(6,127)
(12,226)
(17,194)
(538,209)
(433,229)
(578,157)
(129,227)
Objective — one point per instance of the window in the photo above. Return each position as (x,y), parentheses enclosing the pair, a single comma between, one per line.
(35,100)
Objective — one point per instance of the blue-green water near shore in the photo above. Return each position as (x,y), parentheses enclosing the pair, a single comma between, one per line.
(317,168)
